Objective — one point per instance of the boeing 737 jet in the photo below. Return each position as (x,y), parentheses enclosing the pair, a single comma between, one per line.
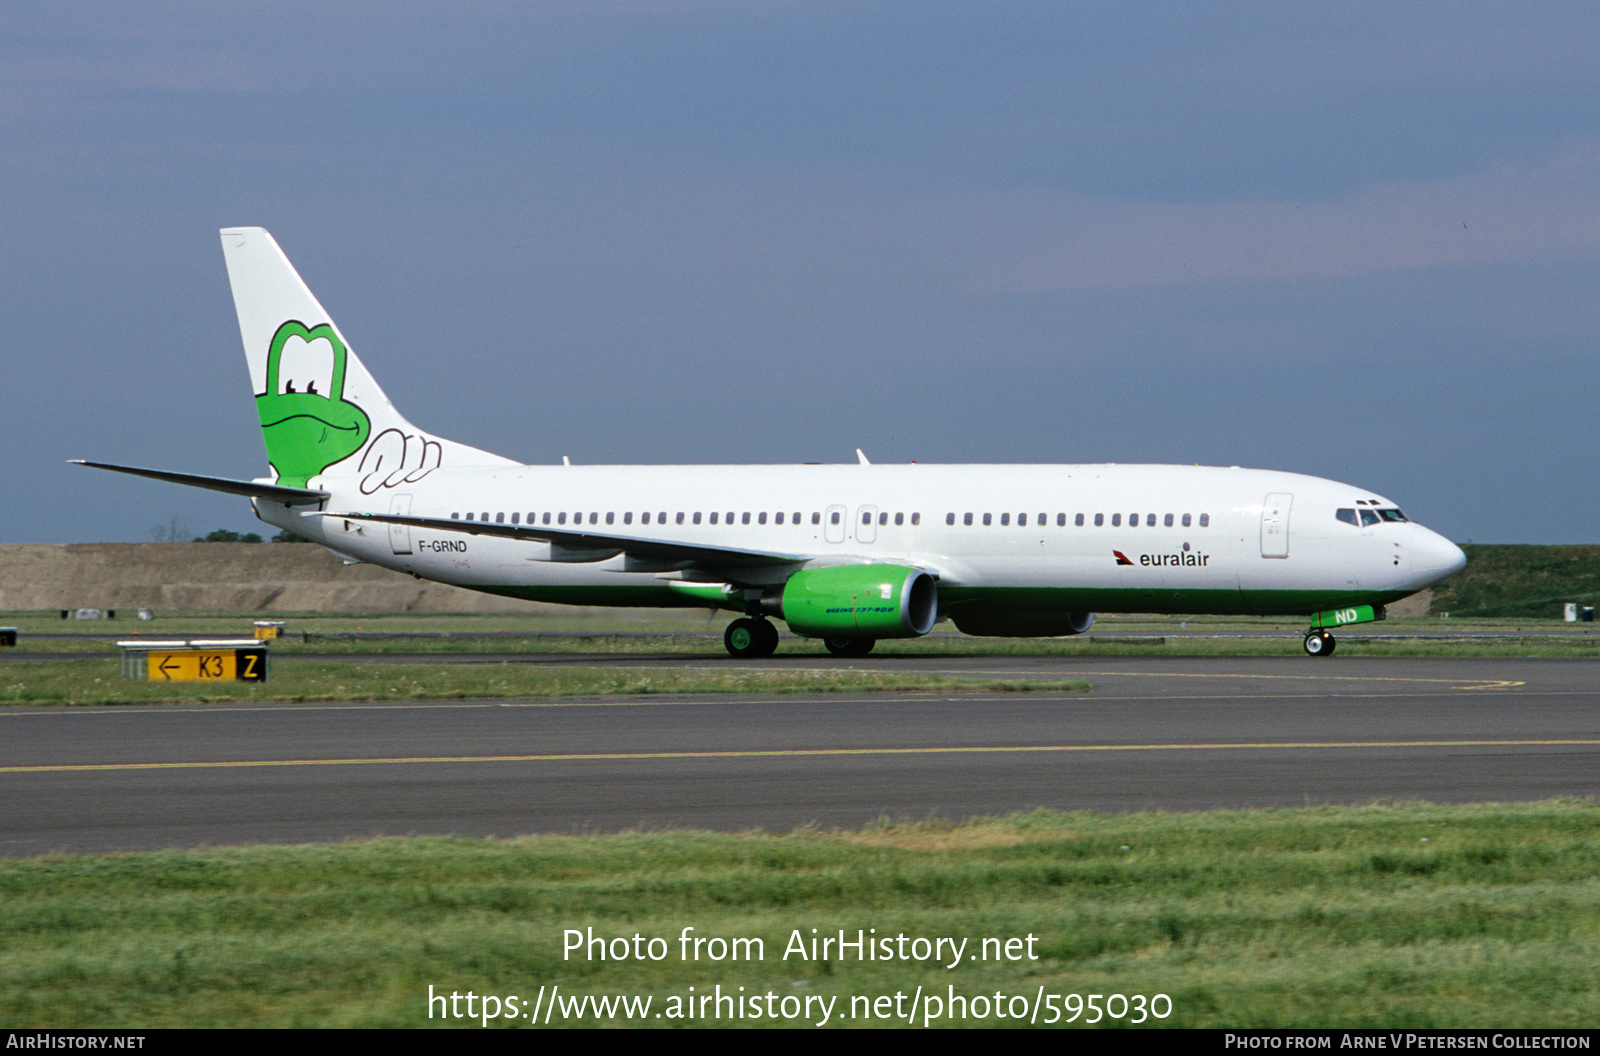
(846,553)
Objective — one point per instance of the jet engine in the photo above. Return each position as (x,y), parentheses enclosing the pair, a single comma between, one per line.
(858,601)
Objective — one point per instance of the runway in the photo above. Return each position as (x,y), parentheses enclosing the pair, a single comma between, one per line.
(1154,734)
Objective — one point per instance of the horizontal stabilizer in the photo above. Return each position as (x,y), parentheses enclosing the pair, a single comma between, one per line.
(568,545)
(254,489)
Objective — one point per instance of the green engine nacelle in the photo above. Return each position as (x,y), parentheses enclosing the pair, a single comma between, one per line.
(860,601)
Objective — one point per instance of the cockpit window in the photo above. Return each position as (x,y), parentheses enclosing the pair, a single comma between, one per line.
(1347,515)
(1368,518)
(1392,515)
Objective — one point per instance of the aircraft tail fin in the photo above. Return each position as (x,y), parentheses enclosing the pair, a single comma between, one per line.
(321,413)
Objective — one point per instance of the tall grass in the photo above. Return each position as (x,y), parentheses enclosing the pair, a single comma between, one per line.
(1402,915)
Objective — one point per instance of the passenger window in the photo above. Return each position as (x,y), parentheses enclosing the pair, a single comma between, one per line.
(966,519)
(1076,521)
(500,518)
(1347,515)
(644,518)
(1205,520)
(594,518)
(661,518)
(916,519)
(1149,520)
(713,516)
(866,518)
(1133,520)
(761,518)
(1005,518)
(455,516)
(833,518)
(546,517)
(1044,520)
(743,519)
(1099,520)
(1116,520)
(696,516)
(561,518)
(730,518)
(1166,522)
(796,517)
(483,517)
(816,518)
(679,518)
(469,516)
(1186,520)
(883,518)
(986,520)
(899,519)
(1022,520)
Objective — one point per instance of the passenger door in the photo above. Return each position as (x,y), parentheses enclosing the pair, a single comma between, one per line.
(1275,525)
(400,534)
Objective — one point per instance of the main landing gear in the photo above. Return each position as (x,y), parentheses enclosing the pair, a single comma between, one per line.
(849,646)
(1320,643)
(751,639)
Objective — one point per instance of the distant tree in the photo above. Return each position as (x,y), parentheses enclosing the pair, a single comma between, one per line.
(222,535)
(174,531)
(287,536)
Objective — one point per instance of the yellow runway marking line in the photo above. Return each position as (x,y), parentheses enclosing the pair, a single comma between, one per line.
(1453,683)
(778,753)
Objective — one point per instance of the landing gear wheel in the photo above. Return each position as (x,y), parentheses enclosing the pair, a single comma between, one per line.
(1320,643)
(849,646)
(750,639)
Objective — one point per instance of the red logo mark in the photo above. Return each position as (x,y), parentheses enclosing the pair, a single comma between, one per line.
(1122,558)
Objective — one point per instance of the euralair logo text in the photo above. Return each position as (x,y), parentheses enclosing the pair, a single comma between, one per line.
(1192,560)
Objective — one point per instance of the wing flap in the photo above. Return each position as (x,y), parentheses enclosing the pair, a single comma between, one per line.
(565,546)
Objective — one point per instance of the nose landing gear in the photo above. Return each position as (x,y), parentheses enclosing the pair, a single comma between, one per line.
(1320,643)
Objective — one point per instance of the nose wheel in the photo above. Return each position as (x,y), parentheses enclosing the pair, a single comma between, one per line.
(750,639)
(1320,643)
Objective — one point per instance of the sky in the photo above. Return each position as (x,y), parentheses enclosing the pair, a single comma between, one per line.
(1358,240)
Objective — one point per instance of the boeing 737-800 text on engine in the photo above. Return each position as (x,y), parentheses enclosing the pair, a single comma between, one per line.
(845,553)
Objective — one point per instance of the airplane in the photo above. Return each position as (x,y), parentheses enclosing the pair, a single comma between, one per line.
(848,553)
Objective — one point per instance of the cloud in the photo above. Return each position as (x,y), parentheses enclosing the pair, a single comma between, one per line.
(1513,213)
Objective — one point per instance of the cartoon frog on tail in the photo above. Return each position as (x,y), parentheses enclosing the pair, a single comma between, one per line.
(307,431)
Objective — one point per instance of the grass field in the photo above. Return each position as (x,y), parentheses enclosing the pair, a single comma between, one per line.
(99,681)
(687,632)
(1527,582)
(1394,916)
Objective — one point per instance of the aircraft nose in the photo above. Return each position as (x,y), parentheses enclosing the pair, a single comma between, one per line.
(1435,557)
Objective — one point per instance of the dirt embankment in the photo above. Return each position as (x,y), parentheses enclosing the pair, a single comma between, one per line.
(249,577)
(218,577)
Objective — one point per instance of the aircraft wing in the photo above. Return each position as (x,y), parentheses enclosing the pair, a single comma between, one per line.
(253,489)
(582,546)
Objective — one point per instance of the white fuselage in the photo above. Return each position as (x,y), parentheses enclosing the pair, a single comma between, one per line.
(1145,538)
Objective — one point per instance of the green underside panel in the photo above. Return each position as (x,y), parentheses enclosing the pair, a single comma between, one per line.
(632,597)
(1186,602)
(1020,599)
